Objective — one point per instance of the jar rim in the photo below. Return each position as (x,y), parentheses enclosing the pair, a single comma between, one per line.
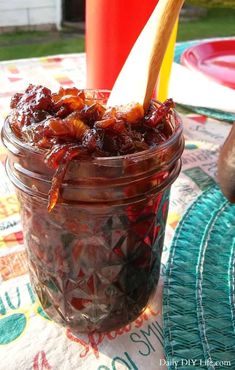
(148,153)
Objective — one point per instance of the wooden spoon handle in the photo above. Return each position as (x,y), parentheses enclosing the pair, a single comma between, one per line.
(167,14)
(226,166)
(138,76)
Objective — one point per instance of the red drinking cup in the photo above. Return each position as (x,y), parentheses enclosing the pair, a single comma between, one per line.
(112,27)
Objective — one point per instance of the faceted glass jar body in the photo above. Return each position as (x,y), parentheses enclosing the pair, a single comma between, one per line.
(95,259)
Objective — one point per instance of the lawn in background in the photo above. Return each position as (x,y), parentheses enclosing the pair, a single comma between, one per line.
(36,44)
(217,23)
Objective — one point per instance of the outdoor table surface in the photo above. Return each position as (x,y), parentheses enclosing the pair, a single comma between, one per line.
(28,339)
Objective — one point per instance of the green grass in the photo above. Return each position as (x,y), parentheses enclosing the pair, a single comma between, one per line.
(37,44)
(74,45)
(21,36)
(217,23)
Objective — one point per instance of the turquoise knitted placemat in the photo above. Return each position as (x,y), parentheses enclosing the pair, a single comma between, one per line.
(199,289)
(217,114)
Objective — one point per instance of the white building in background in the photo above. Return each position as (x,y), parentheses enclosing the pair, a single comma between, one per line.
(30,14)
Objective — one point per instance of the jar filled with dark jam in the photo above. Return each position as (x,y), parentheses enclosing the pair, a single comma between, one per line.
(94,201)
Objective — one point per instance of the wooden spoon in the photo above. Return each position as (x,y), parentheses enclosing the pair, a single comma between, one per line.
(138,76)
(226,166)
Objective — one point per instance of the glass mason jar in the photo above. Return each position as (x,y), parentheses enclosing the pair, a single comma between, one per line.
(94,260)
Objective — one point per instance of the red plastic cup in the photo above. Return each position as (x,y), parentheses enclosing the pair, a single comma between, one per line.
(112,27)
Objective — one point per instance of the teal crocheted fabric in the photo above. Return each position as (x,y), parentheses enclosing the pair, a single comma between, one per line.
(199,289)
(217,114)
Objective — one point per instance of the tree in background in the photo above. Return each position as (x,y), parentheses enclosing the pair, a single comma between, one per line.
(212,3)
